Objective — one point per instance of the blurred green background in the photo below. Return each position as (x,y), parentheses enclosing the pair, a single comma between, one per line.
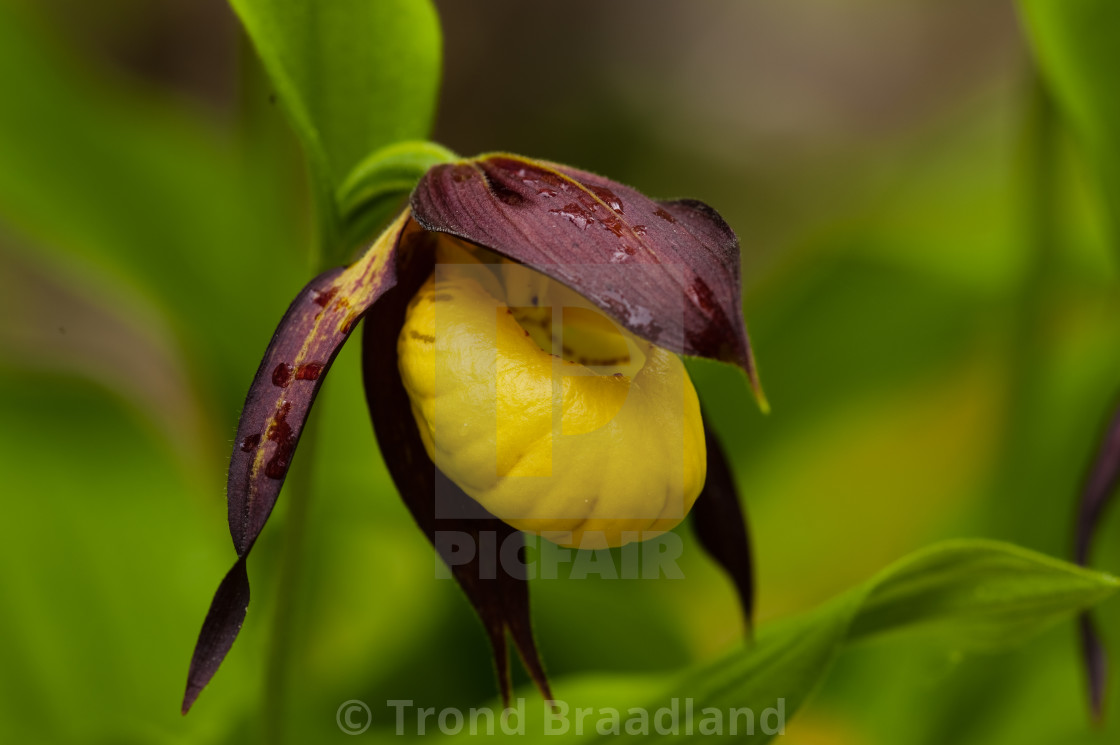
(931,282)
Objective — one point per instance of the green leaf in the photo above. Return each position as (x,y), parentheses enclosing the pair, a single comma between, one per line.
(354,76)
(1077,47)
(369,196)
(977,594)
(391,169)
(968,594)
(974,594)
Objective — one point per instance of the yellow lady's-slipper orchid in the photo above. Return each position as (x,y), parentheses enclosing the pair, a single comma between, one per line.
(624,457)
(522,325)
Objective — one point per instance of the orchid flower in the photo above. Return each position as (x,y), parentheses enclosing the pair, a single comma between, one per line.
(522,322)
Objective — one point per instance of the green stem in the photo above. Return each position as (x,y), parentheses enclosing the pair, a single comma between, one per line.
(278,665)
(1041,198)
(1021,498)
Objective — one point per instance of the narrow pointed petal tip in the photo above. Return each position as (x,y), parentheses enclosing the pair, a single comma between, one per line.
(721,526)
(295,364)
(756,387)
(219,630)
(1096,666)
(667,271)
(1100,489)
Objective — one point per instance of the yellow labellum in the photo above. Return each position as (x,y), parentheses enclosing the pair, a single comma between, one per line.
(546,412)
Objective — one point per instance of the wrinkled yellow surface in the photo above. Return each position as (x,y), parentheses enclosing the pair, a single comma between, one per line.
(592,453)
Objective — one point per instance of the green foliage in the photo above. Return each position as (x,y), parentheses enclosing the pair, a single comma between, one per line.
(965,595)
(355,76)
(882,332)
(1075,46)
(970,594)
(88,603)
(136,195)
(372,192)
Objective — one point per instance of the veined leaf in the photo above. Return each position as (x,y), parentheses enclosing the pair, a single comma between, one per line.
(973,594)
(976,594)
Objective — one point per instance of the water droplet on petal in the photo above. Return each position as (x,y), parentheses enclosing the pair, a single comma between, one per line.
(249,444)
(577,213)
(609,197)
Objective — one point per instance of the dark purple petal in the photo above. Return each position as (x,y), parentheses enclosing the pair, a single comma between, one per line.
(223,622)
(277,406)
(668,271)
(1096,664)
(498,592)
(717,518)
(1100,488)
(303,347)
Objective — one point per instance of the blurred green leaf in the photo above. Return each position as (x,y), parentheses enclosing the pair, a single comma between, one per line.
(972,594)
(355,76)
(139,195)
(1077,48)
(116,553)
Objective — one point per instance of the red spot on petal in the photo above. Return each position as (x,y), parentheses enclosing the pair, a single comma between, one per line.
(249,444)
(282,375)
(280,432)
(322,299)
(701,295)
(309,371)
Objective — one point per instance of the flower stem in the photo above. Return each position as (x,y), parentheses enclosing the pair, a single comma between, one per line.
(1020,494)
(278,664)
(286,620)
